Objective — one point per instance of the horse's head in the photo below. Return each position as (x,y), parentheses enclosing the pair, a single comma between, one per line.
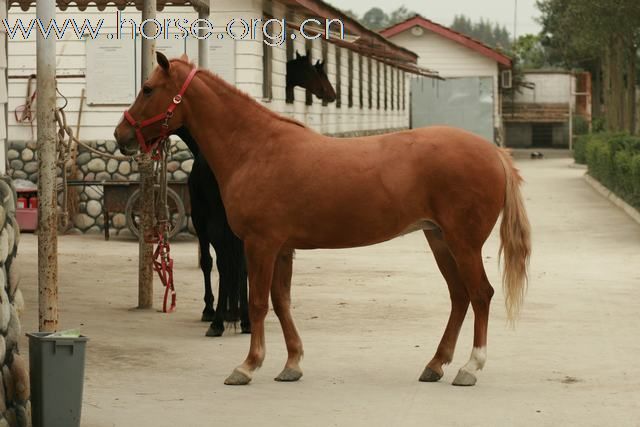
(156,111)
(300,72)
(327,87)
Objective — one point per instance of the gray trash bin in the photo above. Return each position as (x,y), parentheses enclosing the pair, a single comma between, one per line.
(57,377)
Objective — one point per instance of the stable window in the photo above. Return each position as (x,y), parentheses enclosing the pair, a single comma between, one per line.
(386,91)
(325,57)
(404,90)
(370,85)
(378,84)
(290,48)
(393,85)
(350,77)
(338,77)
(308,44)
(399,74)
(360,79)
(267,69)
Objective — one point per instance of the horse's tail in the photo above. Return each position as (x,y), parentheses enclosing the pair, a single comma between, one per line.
(515,240)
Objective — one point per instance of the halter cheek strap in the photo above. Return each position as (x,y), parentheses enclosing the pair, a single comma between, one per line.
(164,117)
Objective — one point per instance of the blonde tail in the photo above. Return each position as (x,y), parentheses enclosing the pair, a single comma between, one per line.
(515,240)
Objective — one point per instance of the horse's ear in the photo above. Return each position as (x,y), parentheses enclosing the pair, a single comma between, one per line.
(163,61)
(184,57)
(318,63)
(298,56)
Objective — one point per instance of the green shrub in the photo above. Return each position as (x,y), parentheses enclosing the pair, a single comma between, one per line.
(614,160)
(580,149)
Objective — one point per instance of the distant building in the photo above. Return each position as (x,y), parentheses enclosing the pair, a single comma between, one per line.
(470,96)
(540,115)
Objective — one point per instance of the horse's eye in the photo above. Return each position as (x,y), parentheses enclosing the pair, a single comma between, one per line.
(147,90)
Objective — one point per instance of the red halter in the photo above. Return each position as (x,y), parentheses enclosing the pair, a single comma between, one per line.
(166,116)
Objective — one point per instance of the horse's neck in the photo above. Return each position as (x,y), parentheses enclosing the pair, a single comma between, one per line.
(227,126)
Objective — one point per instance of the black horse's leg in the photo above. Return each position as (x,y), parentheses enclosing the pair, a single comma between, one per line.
(206,265)
(216,328)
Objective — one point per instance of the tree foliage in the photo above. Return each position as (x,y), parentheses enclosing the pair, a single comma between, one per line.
(604,37)
(377,19)
(491,34)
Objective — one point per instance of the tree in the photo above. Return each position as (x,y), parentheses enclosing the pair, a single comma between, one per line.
(530,53)
(401,14)
(375,19)
(603,36)
(485,31)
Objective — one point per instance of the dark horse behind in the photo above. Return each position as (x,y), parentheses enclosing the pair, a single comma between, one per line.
(210,219)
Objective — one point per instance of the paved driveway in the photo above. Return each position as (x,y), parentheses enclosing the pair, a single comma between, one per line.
(370,319)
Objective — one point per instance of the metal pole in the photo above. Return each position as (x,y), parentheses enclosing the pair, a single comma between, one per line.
(47,207)
(203,44)
(145,166)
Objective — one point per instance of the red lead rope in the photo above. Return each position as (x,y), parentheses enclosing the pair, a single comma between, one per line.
(163,265)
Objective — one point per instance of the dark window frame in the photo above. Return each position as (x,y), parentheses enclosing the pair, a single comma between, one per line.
(338,77)
(308,45)
(370,82)
(378,84)
(350,78)
(360,77)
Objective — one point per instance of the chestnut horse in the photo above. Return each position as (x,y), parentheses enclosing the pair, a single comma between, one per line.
(287,187)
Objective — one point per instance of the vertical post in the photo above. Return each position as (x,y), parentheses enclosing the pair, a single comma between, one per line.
(572,100)
(145,166)
(203,44)
(47,207)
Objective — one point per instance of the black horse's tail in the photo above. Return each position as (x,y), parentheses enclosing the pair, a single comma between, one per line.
(235,279)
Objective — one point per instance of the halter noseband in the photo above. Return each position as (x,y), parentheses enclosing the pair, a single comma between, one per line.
(164,117)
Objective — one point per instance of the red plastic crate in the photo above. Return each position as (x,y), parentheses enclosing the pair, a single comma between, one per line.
(27,219)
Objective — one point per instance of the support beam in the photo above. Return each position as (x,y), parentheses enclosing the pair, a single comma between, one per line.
(203,44)
(47,207)
(145,166)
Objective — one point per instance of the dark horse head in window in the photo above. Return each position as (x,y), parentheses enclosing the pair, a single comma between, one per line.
(300,72)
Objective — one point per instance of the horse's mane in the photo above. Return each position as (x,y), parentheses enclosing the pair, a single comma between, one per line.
(235,91)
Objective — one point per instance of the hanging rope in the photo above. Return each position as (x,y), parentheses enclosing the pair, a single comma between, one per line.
(162,261)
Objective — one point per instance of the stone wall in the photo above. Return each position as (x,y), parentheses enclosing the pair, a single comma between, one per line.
(15,407)
(23,164)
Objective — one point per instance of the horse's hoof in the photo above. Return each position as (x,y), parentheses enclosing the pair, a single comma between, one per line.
(289,375)
(465,379)
(238,377)
(430,376)
(208,316)
(214,331)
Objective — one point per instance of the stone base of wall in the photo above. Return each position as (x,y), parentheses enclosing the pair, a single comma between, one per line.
(23,164)
(15,392)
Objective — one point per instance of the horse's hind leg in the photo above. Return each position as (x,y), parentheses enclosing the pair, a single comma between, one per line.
(281,298)
(260,262)
(459,305)
(471,270)
(206,265)
(216,328)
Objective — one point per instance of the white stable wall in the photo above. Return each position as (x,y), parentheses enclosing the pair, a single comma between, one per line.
(98,121)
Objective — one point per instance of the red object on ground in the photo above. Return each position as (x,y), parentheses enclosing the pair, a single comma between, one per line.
(27,209)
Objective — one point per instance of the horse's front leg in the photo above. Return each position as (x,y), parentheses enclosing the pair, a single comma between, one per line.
(261,257)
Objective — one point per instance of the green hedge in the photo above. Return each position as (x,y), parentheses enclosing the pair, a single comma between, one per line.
(614,160)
